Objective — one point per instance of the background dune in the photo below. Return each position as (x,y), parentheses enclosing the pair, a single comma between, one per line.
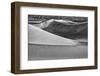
(67,29)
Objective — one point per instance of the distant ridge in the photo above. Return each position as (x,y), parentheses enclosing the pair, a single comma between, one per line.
(65,22)
(67,29)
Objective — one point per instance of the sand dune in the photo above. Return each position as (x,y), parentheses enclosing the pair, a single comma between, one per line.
(39,36)
(67,29)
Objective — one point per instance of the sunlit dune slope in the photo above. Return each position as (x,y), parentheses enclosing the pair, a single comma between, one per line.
(39,36)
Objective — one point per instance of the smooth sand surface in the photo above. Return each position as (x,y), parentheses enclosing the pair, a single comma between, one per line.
(39,36)
(45,52)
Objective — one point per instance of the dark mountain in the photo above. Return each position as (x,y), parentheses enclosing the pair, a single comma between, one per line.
(68,29)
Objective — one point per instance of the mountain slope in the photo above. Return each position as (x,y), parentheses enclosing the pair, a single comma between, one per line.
(67,29)
(39,36)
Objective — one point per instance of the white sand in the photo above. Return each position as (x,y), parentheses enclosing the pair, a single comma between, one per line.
(39,36)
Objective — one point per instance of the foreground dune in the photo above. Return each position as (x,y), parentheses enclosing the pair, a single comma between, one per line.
(39,36)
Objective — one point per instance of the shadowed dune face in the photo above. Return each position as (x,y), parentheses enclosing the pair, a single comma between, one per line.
(67,29)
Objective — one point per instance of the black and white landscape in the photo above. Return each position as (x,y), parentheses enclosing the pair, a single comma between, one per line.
(57,37)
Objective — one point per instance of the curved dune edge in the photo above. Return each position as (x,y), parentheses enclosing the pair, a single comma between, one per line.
(48,22)
(39,36)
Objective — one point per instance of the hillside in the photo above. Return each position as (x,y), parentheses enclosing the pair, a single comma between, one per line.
(67,29)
